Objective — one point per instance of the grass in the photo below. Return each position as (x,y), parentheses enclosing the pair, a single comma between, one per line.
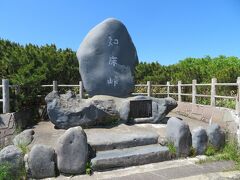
(89,169)
(211,150)
(24,148)
(172,148)
(192,152)
(229,152)
(5,171)
(8,172)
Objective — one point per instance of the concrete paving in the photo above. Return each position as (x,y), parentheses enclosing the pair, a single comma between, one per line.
(119,137)
(176,169)
(130,156)
(45,133)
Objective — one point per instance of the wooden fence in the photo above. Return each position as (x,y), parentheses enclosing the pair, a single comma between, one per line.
(6,102)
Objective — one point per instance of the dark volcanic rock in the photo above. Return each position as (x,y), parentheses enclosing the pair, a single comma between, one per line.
(68,110)
(216,136)
(41,162)
(24,138)
(107,59)
(199,140)
(72,151)
(179,134)
(13,157)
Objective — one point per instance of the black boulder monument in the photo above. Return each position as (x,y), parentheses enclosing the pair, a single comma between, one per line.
(107,59)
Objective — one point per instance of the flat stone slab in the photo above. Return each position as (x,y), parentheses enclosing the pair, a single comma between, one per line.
(46,134)
(119,137)
(105,160)
(184,169)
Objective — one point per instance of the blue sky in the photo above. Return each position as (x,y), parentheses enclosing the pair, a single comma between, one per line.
(162,30)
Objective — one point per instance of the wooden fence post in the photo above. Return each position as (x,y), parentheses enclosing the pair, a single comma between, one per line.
(80,89)
(238,97)
(179,91)
(55,86)
(213,91)
(194,91)
(5,94)
(149,88)
(168,89)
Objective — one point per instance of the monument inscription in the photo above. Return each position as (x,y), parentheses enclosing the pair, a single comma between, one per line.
(107,59)
(140,108)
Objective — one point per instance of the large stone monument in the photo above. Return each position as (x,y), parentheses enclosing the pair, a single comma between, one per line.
(107,59)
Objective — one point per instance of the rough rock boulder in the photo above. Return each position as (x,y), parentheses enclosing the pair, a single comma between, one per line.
(199,140)
(107,59)
(179,134)
(72,151)
(216,136)
(41,162)
(13,157)
(68,110)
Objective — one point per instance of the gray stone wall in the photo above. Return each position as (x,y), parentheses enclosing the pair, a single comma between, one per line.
(10,123)
(226,118)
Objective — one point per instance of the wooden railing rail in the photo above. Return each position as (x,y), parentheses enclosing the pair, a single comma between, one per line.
(149,92)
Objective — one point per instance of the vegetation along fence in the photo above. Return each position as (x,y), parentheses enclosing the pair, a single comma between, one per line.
(150,90)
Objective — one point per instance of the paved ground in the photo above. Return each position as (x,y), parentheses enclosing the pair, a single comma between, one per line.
(45,133)
(176,169)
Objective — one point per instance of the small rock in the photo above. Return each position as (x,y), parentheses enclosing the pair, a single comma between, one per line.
(24,138)
(41,162)
(162,141)
(199,140)
(13,157)
(72,151)
(179,134)
(216,136)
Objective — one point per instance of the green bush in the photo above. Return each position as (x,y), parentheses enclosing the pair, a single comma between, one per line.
(30,66)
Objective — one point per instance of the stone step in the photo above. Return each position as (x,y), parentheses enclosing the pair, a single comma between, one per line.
(110,159)
(122,136)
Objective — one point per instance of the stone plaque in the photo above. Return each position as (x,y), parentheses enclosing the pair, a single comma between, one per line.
(140,108)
